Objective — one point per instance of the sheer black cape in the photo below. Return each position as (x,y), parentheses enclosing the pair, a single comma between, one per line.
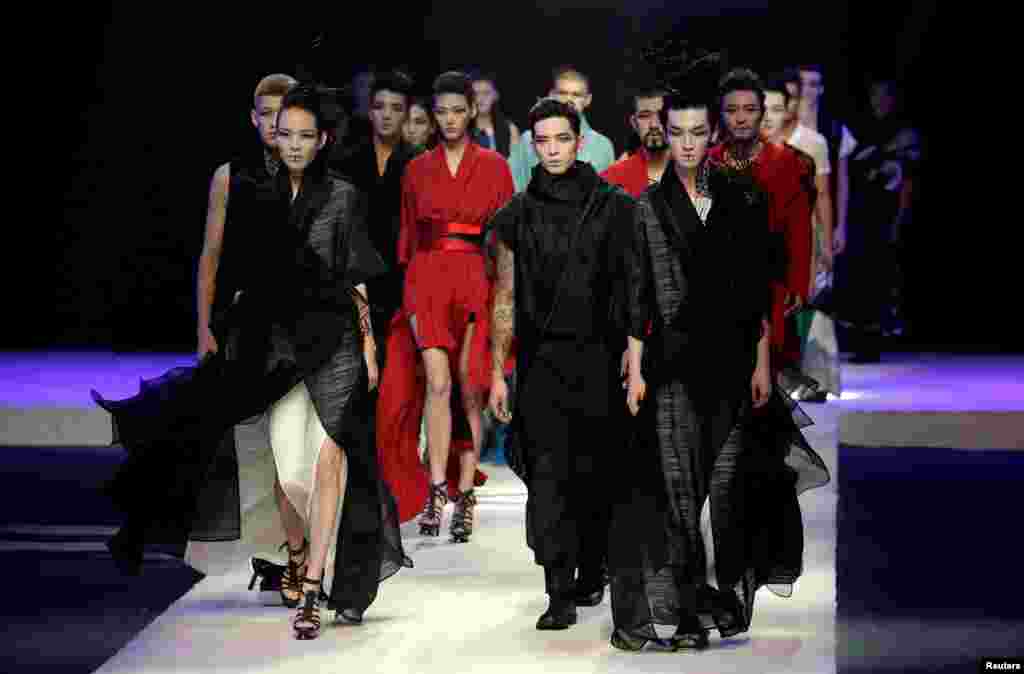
(292,316)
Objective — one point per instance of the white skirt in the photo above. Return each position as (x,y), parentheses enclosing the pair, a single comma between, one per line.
(285,442)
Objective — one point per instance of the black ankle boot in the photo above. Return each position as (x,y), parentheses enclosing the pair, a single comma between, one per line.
(561,614)
(561,611)
(589,587)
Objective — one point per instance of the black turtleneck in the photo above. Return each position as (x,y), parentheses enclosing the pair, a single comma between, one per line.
(542,230)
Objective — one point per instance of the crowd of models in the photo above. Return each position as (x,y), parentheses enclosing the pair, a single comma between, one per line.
(354,298)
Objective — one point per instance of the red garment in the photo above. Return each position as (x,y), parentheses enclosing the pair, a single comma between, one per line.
(630,173)
(779,171)
(445,288)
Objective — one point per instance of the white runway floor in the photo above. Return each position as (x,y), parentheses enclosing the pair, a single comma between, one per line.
(472,608)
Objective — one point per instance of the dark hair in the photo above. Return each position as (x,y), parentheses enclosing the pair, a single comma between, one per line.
(394,81)
(453,82)
(548,108)
(648,92)
(483,76)
(568,71)
(690,101)
(741,79)
(306,97)
(778,81)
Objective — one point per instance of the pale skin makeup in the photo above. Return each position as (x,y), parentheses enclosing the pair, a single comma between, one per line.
(557,145)
(646,122)
(453,113)
(418,126)
(299,141)
(689,135)
(486,96)
(388,111)
(574,91)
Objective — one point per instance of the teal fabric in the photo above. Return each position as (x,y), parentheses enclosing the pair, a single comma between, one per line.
(597,151)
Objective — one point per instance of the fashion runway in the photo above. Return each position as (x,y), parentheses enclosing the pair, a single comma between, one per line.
(912,592)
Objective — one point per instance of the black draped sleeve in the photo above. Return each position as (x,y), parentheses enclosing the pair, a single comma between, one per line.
(633,253)
(361,261)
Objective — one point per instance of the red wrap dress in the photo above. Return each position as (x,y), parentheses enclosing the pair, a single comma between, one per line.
(443,219)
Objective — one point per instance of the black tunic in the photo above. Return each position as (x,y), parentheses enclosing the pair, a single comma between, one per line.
(697,434)
(294,321)
(569,403)
(384,199)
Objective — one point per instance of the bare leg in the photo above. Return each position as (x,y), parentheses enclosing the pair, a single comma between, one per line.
(331,474)
(291,521)
(472,403)
(438,412)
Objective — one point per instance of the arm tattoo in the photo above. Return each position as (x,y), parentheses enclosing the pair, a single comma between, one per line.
(503,315)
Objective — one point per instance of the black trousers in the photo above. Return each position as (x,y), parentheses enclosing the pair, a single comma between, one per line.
(570,435)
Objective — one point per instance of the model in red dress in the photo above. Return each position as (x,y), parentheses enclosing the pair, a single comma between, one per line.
(448,196)
(645,166)
(779,171)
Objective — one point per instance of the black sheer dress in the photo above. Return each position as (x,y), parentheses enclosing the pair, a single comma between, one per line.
(294,322)
(577,234)
(697,436)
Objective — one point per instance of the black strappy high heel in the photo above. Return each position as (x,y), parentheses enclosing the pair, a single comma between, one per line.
(430,518)
(291,581)
(462,519)
(306,622)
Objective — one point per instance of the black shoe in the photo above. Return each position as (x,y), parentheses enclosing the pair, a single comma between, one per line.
(585,597)
(127,551)
(690,636)
(561,614)
(816,397)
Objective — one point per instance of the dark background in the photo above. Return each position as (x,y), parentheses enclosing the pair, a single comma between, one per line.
(154,100)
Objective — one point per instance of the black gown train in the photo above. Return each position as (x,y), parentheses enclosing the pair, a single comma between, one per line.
(698,436)
(293,323)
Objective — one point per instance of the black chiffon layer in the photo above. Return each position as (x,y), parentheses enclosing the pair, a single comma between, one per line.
(294,321)
(698,437)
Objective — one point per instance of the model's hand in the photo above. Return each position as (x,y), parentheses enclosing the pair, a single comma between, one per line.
(624,369)
(839,241)
(636,391)
(370,355)
(760,386)
(207,342)
(499,400)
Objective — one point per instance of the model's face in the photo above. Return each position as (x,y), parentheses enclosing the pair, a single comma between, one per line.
(417,127)
(793,106)
(485,96)
(689,135)
(883,100)
(387,114)
(557,145)
(774,116)
(573,91)
(646,122)
(813,86)
(298,138)
(742,113)
(453,114)
(264,118)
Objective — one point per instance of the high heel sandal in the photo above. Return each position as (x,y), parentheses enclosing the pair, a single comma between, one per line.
(430,518)
(307,619)
(291,581)
(462,519)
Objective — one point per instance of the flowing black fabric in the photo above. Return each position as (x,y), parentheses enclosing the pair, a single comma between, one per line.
(293,321)
(574,238)
(698,437)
